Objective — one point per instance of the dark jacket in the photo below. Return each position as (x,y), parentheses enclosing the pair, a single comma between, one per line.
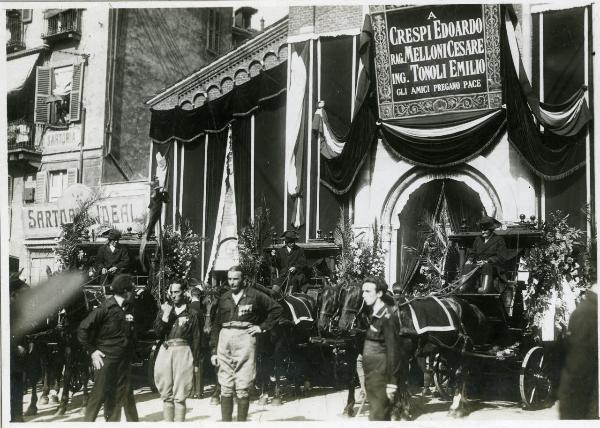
(186,326)
(285,259)
(578,390)
(254,307)
(107,259)
(383,335)
(493,251)
(110,329)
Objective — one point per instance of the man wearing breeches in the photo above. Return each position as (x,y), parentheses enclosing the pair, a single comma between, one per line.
(179,328)
(242,314)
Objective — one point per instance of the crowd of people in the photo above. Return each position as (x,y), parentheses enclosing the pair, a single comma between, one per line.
(108,336)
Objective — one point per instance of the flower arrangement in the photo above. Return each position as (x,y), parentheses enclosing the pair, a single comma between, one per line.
(252,241)
(359,257)
(559,267)
(72,233)
(179,249)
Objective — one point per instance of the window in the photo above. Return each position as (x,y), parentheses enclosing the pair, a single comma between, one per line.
(57,183)
(26,15)
(214,31)
(15,31)
(29,185)
(58,94)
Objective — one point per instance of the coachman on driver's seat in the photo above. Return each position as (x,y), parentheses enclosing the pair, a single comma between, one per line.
(485,261)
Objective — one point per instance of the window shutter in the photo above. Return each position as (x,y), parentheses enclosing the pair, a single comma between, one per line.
(71,176)
(10,189)
(26,15)
(43,87)
(41,187)
(76,90)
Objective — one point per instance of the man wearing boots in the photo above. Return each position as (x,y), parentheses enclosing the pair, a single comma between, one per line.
(242,314)
(196,306)
(485,261)
(179,329)
(107,334)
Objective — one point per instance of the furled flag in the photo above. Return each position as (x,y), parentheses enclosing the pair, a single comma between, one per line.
(363,83)
(296,129)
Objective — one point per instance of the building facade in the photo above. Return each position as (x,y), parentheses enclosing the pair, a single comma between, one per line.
(77,80)
(551,47)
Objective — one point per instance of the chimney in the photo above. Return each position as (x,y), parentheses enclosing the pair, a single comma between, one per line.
(262,24)
(243,17)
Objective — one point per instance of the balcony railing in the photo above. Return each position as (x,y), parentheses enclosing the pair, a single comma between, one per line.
(15,29)
(63,25)
(20,136)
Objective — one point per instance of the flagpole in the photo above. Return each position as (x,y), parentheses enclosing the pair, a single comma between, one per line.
(161,278)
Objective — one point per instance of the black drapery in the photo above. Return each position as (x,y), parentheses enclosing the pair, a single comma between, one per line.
(241,135)
(215,162)
(192,206)
(241,101)
(462,203)
(439,152)
(550,157)
(338,174)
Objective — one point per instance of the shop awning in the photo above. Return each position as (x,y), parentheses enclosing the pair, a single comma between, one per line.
(49,13)
(18,71)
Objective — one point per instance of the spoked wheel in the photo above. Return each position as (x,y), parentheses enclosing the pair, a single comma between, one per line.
(535,384)
(442,377)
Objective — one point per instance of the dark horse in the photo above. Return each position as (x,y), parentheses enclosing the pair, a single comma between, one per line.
(334,322)
(447,325)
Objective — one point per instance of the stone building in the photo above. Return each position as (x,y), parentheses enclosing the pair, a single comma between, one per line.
(497,171)
(77,80)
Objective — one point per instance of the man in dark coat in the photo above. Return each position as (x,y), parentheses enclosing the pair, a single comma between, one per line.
(18,351)
(107,335)
(290,259)
(578,390)
(112,258)
(485,261)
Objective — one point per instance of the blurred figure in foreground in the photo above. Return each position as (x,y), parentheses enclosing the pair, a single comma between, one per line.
(578,390)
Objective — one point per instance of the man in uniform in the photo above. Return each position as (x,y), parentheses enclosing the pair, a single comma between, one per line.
(112,258)
(178,326)
(107,335)
(242,314)
(196,306)
(381,354)
(485,261)
(290,259)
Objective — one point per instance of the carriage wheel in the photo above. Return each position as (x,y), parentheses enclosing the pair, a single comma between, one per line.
(442,377)
(535,385)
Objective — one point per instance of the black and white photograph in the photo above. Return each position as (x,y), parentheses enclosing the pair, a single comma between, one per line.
(293,212)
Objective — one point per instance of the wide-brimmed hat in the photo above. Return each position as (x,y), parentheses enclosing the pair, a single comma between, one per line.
(114,234)
(487,223)
(290,234)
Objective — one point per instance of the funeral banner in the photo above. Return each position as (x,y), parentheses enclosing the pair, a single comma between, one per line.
(436,59)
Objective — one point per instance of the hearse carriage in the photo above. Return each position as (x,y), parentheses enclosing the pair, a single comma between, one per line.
(516,355)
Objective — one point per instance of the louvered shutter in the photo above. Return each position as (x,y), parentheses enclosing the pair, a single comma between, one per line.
(41,187)
(43,87)
(26,15)
(71,176)
(10,189)
(76,92)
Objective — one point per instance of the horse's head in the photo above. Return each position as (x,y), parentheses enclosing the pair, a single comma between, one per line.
(210,302)
(351,307)
(330,306)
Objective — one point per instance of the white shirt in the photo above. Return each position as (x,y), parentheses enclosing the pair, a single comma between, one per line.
(119,300)
(179,309)
(237,297)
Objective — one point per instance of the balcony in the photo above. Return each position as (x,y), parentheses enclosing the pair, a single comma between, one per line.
(21,146)
(62,25)
(15,31)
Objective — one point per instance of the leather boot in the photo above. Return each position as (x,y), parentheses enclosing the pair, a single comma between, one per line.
(242,409)
(179,412)
(486,284)
(226,408)
(168,411)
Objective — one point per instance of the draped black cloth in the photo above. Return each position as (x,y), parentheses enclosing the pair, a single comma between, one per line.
(241,134)
(439,152)
(242,100)
(548,156)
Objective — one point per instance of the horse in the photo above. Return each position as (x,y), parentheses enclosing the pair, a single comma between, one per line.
(465,327)
(210,303)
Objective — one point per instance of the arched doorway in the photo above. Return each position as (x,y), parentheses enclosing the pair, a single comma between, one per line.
(440,203)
